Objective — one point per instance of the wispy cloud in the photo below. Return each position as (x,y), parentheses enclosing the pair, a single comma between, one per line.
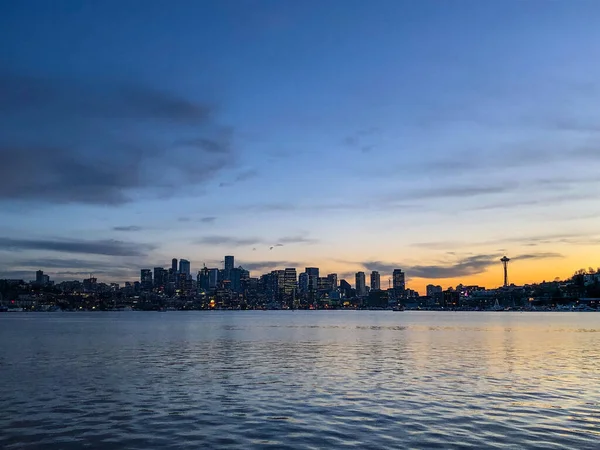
(242,176)
(228,240)
(245,241)
(299,239)
(128,228)
(265,266)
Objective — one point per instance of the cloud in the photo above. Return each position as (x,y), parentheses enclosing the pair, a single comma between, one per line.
(266,266)
(457,192)
(541,255)
(92,247)
(208,219)
(295,240)
(242,176)
(240,242)
(103,144)
(128,228)
(228,240)
(466,266)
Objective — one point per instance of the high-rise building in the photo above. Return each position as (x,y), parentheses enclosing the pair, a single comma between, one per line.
(375,281)
(313,278)
(289,281)
(146,279)
(235,279)
(39,277)
(333,279)
(213,278)
(398,281)
(229,265)
(184,267)
(361,284)
(432,290)
(174,266)
(324,285)
(303,282)
(203,279)
(161,277)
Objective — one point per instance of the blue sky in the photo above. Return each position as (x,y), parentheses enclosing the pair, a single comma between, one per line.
(432,136)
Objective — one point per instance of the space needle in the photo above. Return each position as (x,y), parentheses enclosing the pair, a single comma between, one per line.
(505,261)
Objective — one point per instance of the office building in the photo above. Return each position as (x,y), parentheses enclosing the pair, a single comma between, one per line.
(146,279)
(289,281)
(361,285)
(303,282)
(174,266)
(333,279)
(184,267)
(432,290)
(213,278)
(39,277)
(375,281)
(313,278)
(398,281)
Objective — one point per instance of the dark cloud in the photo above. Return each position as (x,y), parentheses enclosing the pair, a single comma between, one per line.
(92,247)
(128,228)
(20,93)
(208,219)
(103,144)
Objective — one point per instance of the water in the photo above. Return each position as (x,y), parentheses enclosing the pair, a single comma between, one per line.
(286,379)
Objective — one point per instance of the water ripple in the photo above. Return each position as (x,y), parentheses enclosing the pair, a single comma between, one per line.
(299,380)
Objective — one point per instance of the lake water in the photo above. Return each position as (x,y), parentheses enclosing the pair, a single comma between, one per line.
(299,379)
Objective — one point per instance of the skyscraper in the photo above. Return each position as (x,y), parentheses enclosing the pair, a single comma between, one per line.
(333,279)
(146,279)
(213,278)
(39,277)
(398,281)
(313,278)
(203,279)
(160,277)
(289,281)
(174,265)
(303,282)
(361,285)
(229,265)
(184,267)
(375,280)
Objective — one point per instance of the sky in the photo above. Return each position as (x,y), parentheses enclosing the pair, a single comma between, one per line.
(430,136)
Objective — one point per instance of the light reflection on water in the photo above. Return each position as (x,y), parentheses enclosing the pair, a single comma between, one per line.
(299,379)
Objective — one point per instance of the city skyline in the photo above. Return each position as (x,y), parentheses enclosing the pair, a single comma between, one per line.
(348,136)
